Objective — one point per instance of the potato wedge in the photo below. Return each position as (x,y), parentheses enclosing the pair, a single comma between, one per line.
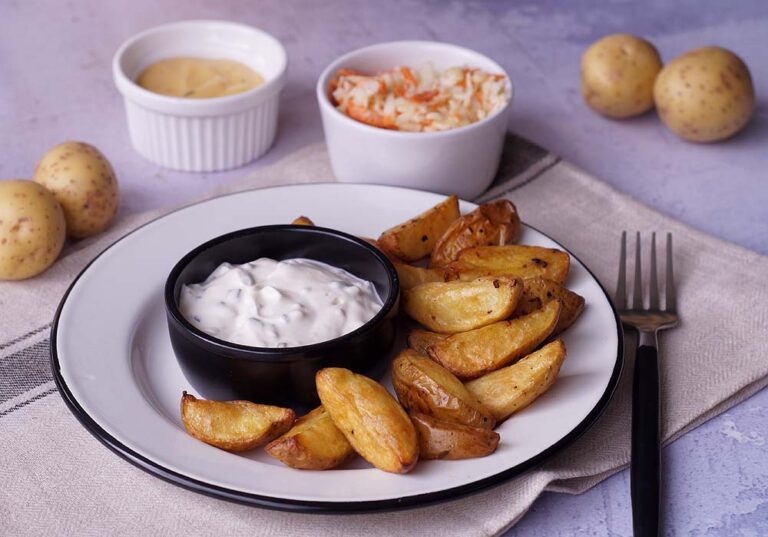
(313,443)
(539,291)
(303,221)
(370,418)
(516,386)
(233,425)
(449,440)
(511,260)
(415,238)
(471,354)
(449,307)
(419,340)
(427,387)
(492,224)
(411,276)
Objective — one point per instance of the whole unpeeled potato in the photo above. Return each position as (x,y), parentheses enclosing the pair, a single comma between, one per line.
(84,182)
(32,229)
(705,95)
(617,75)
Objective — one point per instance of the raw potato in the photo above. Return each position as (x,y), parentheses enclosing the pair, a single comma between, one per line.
(513,260)
(313,443)
(457,306)
(415,238)
(411,276)
(448,440)
(427,387)
(420,340)
(83,181)
(472,354)
(516,386)
(32,229)
(234,425)
(303,221)
(705,95)
(539,291)
(617,75)
(369,417)
(491,224)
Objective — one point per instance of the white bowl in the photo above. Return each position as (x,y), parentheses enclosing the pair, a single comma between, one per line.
(201,134)
(460,161)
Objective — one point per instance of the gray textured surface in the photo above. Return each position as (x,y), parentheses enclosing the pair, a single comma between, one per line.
(55,84)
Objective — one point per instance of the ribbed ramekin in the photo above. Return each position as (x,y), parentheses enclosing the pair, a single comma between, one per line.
(201,135)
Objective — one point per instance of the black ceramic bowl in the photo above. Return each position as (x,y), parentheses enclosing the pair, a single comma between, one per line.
(222,370)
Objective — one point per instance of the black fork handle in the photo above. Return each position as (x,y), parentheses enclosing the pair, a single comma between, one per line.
(645,473)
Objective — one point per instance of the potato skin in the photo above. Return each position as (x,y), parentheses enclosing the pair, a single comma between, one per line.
(313,443)
(539,291)
(32,229)
(448,440)
(427,387)
(705,95)
(85,184)
(617,75)
(491,224)
(521,261)
(233,425)
(370,418)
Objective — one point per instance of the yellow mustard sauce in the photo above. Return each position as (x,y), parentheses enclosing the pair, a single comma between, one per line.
(198,78)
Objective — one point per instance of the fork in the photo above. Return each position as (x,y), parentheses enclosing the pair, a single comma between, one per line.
(645,472)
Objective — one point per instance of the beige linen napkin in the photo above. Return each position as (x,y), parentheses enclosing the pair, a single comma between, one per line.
(57,479)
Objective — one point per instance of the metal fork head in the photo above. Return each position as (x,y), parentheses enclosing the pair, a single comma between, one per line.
(638,316)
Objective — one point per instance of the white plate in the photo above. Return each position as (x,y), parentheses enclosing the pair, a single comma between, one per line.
(113,363)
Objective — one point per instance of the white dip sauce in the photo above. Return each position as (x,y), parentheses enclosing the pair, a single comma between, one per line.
(268,303)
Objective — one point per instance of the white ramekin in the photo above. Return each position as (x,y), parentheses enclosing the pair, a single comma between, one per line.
(201,134)
(461,161)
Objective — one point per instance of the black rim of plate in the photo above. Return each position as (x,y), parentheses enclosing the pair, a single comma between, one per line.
(283,504)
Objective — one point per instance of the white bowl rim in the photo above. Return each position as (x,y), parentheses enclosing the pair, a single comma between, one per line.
(132,91)
(325,102)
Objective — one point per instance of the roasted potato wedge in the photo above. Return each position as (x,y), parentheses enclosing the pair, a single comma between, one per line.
(233,425)
(540,291)
(313,443)
(516,386)
(415,238)
(427,387)
(449,307)
(419,340)
(469,355)
(492,224)
(439,439)
(370,418)
(511,260)
(303,221)
(411,276)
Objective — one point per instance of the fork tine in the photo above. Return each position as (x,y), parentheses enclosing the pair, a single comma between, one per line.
(654,285)
(670,300)
(637,292)
(621,289)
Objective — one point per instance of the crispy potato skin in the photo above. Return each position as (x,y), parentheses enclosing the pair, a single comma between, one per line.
(420,340)
(426,387)
(469,355)
(439,439)
(540,291)
(372,421)
(514,387)
(512,260)
(233,425)
(303,221)
(313,443)
(491,224)
(416,238)
(457,306)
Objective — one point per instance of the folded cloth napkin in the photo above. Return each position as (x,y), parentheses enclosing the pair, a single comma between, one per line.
(59,480)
